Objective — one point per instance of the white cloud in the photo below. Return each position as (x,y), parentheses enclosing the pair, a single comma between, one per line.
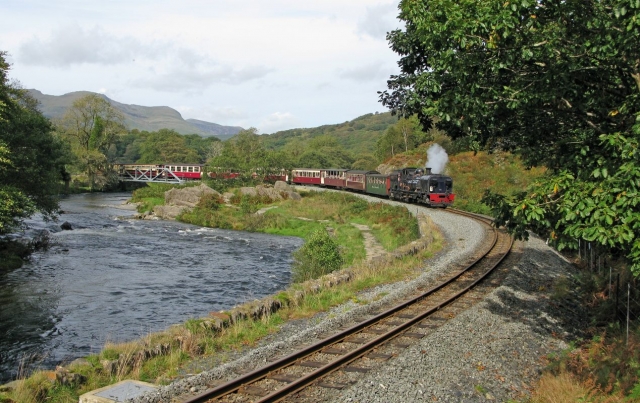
(196,78)
(278,121)
(378,20)
(73,44)
(375,71)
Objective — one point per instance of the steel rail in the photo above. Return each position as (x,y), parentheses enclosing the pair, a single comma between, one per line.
(299,384)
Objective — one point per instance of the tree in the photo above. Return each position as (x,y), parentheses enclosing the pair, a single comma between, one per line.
(31,158)
(206,147)
(557,82)
(324,151)
(91,126)
(166,146)
(405,135)
(244,152)
(93,123)
(366,162)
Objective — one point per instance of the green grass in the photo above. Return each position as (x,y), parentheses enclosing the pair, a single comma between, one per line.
(391,226)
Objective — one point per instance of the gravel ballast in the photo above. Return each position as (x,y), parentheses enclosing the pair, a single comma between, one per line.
(492,351)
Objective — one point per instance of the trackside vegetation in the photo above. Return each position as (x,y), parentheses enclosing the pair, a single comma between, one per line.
(316,211)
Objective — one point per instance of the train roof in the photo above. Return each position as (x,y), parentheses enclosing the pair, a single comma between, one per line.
(376,173)
(360,171)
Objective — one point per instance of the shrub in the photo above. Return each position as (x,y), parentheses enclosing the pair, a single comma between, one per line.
(318,256)
(246,205)
(209,202)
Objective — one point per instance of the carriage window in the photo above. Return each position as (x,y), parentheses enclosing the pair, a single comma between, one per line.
(190,169)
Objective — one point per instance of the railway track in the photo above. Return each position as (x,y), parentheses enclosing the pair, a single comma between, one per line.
(338,360)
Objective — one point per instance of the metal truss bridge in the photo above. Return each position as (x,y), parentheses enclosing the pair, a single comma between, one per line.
(146,173)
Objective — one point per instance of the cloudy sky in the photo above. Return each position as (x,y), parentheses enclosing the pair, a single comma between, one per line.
(273,65)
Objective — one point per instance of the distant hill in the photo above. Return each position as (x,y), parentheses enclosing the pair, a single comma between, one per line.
(149,118)
(358,135)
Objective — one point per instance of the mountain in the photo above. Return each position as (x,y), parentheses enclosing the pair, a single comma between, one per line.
(358,135)
(215,128)
(149,118)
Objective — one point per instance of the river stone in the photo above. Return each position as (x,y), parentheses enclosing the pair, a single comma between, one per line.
(168,212)
(269,192)
(66,378)
(188,197)
(227,196)
(66,226)
(282,186)
(247,191)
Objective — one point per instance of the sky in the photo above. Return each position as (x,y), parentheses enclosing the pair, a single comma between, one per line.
(272,65)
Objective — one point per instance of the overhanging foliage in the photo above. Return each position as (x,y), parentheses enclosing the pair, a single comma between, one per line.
(556,81)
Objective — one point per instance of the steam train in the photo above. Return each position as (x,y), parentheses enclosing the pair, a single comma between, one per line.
(417,185)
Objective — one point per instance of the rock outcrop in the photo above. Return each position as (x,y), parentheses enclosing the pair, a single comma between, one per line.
(187,197)
(178,200)
(279,191)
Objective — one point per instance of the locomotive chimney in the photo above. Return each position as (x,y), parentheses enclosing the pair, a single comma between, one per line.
(427,171)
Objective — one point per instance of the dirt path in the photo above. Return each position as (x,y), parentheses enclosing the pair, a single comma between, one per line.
(371,244)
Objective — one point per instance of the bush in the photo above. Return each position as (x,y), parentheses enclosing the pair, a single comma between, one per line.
(318,256)
(209,202)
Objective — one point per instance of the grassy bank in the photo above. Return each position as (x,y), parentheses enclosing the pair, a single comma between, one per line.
(335,211)
(159,357)
(604,368)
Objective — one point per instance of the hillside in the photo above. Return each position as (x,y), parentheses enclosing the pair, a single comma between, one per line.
(472,174)
(358,135)
(149,118)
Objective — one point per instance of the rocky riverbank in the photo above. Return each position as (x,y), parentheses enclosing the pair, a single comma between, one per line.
(179,200)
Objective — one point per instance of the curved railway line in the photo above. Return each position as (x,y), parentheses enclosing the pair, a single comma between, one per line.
(338,360)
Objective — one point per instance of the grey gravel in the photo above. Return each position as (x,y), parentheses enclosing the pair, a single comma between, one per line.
(490,352)
(493,351)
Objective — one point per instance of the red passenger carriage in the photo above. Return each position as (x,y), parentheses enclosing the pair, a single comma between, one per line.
(333,177)
(185,171)
(305,176)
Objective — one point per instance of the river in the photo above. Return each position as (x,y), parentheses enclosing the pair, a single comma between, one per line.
(114,278)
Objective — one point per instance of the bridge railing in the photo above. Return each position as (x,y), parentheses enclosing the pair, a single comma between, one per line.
(146,173)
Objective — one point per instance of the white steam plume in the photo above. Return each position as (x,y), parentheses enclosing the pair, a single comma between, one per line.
(437,159)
